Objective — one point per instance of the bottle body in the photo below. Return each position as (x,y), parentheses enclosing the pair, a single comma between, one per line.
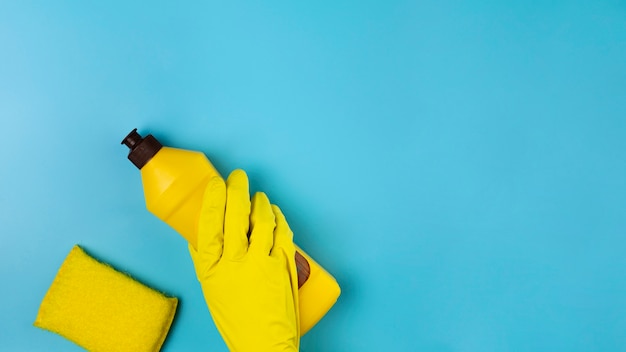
(174,181)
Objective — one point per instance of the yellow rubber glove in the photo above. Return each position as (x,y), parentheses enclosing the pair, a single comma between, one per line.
(250,285)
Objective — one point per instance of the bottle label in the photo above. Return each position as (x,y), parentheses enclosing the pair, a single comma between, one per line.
(304,270)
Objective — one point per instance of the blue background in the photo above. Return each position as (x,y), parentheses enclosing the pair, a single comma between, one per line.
(457,165)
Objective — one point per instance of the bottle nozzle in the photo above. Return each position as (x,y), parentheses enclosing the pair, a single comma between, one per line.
(132,139)
(141,149)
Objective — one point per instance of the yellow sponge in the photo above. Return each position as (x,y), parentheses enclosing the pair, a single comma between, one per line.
(101,309)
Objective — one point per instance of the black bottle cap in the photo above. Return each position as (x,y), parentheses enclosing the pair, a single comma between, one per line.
(141,149)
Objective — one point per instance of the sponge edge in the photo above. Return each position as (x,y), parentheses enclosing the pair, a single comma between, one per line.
(101,309)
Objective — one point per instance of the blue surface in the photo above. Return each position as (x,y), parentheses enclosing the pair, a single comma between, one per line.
(459,166)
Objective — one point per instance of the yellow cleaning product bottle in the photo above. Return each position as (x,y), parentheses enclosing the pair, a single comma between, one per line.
(174,181)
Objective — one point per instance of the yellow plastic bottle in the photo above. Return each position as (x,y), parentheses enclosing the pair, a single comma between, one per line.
(174,181)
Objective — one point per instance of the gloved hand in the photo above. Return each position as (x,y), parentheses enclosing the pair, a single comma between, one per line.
(250,285)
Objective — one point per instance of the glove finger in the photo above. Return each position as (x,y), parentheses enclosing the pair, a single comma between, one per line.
(285,250)
(237,219)
(211,224)
(283,236)
(262,224)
